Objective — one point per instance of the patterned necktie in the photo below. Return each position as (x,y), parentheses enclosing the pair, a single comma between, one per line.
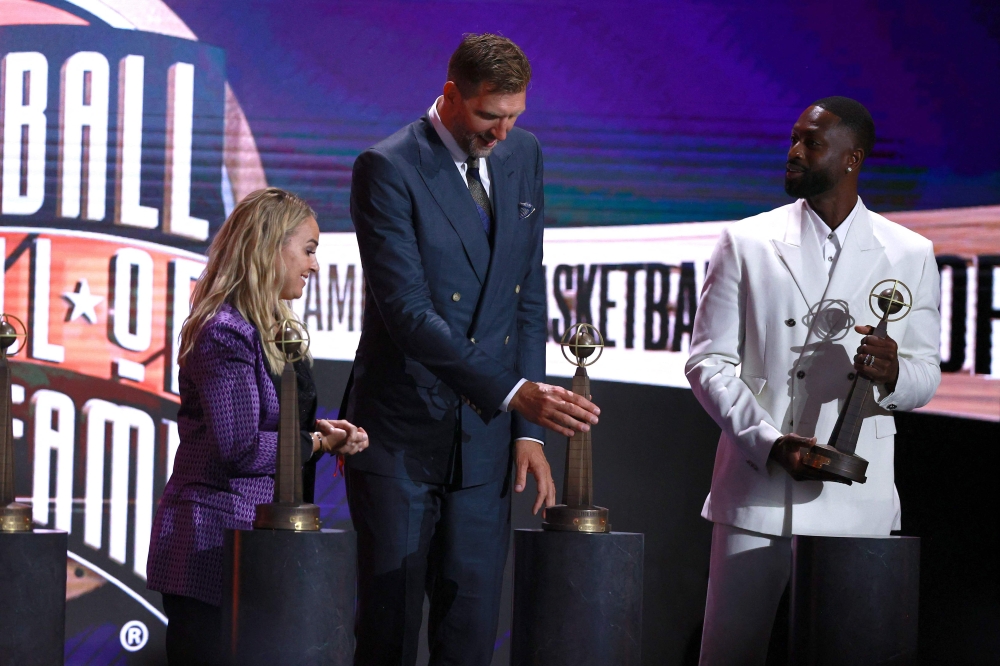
(479,193)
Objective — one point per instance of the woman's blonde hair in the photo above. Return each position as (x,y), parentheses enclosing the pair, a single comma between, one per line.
(245,269)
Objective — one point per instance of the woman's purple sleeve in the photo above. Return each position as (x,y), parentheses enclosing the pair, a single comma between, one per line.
(222,368)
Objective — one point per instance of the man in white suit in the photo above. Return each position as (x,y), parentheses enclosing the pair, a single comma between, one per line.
(785,299)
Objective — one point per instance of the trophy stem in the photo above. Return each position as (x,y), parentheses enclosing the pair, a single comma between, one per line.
(288,475)
(845,433)
(838,456)
(578,489)
(6,436)
(288,511)
(577,513)
(14,517)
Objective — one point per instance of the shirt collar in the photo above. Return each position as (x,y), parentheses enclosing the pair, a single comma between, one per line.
(822,230)
(447,139)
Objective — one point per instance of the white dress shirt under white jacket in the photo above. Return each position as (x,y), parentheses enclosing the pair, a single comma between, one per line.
(772,353)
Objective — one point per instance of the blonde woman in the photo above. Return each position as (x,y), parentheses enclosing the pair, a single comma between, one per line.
(260,260)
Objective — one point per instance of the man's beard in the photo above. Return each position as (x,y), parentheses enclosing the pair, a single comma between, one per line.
(810,184)
(467,142)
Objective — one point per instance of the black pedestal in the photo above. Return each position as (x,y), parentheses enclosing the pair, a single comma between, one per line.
(577,599)
(854,600)
(32,598)
(288,597)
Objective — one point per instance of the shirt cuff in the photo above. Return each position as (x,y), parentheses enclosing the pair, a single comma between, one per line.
(530,439)
(505,405)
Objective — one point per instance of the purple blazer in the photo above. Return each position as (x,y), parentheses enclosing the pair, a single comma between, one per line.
(228,426)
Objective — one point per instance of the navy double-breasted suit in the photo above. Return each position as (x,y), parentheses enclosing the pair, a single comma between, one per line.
(454,318)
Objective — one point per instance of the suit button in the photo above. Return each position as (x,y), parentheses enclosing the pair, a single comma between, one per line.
(800,374)
(789,322)
(892,406)
(850,377)
(506,340)
(517,289)
(456,297)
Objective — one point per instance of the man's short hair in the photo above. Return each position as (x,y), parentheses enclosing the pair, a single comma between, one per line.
(489,60)
(855,117)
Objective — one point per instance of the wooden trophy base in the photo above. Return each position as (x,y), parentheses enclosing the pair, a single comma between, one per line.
(300,517)
(827,459)
(589,519)
(15,517)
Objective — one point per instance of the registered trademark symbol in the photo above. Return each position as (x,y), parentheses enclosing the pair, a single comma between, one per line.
(133,636)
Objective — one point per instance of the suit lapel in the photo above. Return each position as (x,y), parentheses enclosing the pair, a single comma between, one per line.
(444,182)
(503,197)
(861,255)
(504,200)
(801,254)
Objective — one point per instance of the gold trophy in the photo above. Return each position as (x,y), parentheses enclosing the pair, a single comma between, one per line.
(577,512)
(288,511)
(838,457)
(14,516)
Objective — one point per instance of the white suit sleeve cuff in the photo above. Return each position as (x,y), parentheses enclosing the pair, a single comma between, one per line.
(763,436)
(901,397)
(505,405)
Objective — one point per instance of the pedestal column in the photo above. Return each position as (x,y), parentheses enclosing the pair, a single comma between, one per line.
(288,597)
(32,598)
(854,600)
(577,599)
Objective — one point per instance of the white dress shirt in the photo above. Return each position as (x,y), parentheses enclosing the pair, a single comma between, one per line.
(457,153)
(830,241)
(460,156)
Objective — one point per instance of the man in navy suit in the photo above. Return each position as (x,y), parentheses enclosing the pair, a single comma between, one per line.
(447,377)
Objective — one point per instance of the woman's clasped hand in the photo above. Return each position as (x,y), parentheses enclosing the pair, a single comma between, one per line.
(339,437)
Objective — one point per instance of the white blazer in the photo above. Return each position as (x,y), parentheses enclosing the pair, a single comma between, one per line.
(772,353)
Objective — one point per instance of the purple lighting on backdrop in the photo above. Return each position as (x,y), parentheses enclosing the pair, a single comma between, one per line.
(330,494)
(648,112)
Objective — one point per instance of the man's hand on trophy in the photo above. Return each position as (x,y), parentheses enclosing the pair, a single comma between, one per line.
(341,437)
(529,457)
(877,358)
(555,408)
(789,451)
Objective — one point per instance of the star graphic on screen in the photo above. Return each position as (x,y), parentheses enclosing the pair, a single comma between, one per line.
(84,302)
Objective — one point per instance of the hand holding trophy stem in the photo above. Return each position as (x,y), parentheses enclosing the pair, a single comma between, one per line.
(837,461)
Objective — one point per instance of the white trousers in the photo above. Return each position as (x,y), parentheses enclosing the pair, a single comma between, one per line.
(746,578)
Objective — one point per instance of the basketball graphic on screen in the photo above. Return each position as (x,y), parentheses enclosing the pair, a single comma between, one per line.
(246,173)
(124,148)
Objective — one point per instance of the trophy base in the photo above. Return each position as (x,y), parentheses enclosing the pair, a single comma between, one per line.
(287,516)
(15,517)
(589,519)
(843,465)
